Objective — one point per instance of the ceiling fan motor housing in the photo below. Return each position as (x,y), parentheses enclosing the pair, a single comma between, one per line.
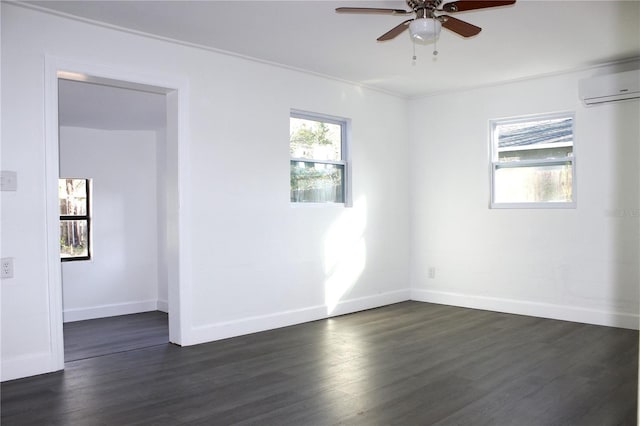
(424,4)
(426,10)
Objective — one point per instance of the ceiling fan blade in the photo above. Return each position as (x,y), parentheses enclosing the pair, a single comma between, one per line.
(462,5)
(373,10)
(463,28)
(395,31)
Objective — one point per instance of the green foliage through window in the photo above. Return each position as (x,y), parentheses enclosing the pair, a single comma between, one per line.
(75,222)
(318,164)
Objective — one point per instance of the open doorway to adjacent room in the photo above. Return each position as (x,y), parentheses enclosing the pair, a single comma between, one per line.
(116,212)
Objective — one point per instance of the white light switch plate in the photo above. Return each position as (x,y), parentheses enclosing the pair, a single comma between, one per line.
(8,180)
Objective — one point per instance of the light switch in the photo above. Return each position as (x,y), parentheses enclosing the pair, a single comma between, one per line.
(8,180)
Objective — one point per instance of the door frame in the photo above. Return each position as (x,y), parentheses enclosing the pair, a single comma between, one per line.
(176,90)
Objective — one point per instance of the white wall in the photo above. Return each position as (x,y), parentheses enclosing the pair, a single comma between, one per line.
(257,262)
(578,264)
(122,276)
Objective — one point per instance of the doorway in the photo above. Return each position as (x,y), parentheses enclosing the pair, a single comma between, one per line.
(172,231)
(112,189)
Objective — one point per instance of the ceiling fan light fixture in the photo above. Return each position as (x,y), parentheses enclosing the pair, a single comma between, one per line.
(425,29)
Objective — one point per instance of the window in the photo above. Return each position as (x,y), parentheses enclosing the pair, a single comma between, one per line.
(75,220)
(319,168)
(533,162)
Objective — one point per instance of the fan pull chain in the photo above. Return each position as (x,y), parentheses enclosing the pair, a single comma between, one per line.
(414,58)
(435,40)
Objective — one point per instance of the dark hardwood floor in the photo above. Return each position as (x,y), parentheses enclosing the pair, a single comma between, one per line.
(410,363)
(103,336)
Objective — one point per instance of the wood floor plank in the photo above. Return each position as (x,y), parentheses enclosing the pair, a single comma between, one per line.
(101,336)
(410,363)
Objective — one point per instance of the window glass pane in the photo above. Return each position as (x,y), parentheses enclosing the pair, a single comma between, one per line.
(317,182)
(535,132)
(315,140)
(536,154)
(74,238)
(549,183)
(72,196)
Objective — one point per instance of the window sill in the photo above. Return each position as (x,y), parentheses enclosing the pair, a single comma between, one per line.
(76,259)
(547,205)
(318,205)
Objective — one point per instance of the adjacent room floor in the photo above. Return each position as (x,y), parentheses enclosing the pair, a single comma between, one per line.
(410,363)
(103,336)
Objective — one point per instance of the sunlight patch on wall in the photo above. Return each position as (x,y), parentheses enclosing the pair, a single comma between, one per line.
(345,253)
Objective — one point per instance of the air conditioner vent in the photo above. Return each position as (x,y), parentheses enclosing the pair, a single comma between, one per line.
(602,89)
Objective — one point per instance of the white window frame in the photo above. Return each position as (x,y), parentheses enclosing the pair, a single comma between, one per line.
(345,137)
(495,164)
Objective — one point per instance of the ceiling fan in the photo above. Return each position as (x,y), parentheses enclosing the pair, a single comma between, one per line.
(427,23)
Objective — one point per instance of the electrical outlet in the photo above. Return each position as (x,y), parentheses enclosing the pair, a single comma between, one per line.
(432,272)
(6,267)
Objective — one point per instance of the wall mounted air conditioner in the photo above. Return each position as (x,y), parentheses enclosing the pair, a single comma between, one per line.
(610,88)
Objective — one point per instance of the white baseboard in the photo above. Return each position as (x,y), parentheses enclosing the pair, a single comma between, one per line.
(535,309)
(44,362)
(103,311)
(363,303)
(41,363)
(17,368)
(223,330)
(163,306)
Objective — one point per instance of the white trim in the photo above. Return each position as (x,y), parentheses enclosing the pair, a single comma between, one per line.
(535,309)
(536,146)
(328,204)
(308,160)
(543,205)
(30,365)
(180,292)
(81,314)
(560,161)
(162,306)
(495,164)
(52,220)
(226,329)
(369,302)
(180,284)
(345,148)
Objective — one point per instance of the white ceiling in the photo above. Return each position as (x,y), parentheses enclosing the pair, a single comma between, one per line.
(527,39)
